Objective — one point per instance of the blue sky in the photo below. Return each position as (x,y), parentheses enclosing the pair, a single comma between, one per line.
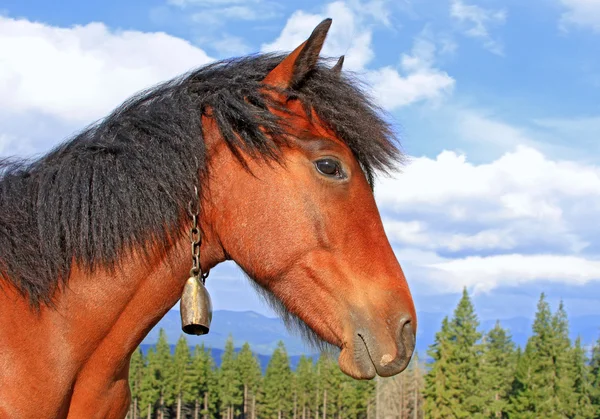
(495,102)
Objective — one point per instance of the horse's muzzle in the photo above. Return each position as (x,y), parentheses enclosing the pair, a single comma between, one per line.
(384,351)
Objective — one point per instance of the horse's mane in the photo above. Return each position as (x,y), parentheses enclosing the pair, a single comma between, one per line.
(125,181)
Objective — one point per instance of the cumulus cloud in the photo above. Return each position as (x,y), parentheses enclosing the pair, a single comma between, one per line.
(416,80)
(81,73)
(525,172)
(419,81)
(476,21)
(347,36)
(517,219)
(483,274)
(583,13)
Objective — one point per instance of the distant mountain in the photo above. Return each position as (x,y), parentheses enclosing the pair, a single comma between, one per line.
(263,333)
(218,354)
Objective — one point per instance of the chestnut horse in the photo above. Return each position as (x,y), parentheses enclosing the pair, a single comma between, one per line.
(94,245)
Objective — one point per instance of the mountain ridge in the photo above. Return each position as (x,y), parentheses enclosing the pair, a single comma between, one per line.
(263,332)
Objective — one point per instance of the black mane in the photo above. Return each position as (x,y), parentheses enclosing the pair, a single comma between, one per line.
(125,182)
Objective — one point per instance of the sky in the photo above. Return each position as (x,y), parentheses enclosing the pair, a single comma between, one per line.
(495,103)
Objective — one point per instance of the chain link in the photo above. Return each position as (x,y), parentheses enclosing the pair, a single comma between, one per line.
(196,238)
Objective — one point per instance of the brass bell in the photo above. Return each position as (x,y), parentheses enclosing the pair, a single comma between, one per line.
(196,308)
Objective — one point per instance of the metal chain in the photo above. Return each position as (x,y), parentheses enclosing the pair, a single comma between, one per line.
(196,238)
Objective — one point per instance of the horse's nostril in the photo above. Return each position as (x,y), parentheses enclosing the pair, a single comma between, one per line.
(404,321)
(406,335)
(408,338)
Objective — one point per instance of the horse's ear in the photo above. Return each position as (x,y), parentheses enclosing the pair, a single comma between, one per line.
(337,68)
(301,61)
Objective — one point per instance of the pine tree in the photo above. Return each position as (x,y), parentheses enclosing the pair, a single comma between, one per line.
(305,376)
(180,383)
(163,372)
(136,372)
(365,392)
(498,367)
(205,383)
(250,376)
(230,394)
(438,393)
(149,387)
(466,357)
(562,358)
(277,385)
(340,399)
(530,388)
(583,408)
(544,379)
(595,378)
(459,390)
(323,386)
(414,388)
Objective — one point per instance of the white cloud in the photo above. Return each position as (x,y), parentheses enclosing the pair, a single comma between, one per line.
(584,13)
(523,217)
(351,36)
(380,10)
(431,274)
(81,73)
(419,234)
(422,81)
(486,273)
(476,21)
(348,35)
(520,184)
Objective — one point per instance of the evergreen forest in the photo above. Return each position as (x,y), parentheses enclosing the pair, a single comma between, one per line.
(467,373)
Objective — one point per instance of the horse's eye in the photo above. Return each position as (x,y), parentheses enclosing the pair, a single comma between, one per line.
(330,168)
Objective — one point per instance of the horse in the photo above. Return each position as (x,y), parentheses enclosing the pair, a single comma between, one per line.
(282,151)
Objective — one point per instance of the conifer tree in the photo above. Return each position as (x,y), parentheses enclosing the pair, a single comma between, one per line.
(305,386)
(353,396)
(439,394)
(498,368)
(337,389)
(595,378)
(544,378)
(323,392)
(582,407)
(459,391)
(180,383)
(530,386)
(414,388)
(149,387)
(562,357)
(136,372)
(250,376)
(277,385)
(466,357)
(163,372)
(230,394)
(366,395)
(205,383)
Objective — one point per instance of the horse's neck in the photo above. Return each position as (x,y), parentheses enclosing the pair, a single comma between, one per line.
(98,321)
(127,303)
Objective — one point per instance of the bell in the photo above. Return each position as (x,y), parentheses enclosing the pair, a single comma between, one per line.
(196,308)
